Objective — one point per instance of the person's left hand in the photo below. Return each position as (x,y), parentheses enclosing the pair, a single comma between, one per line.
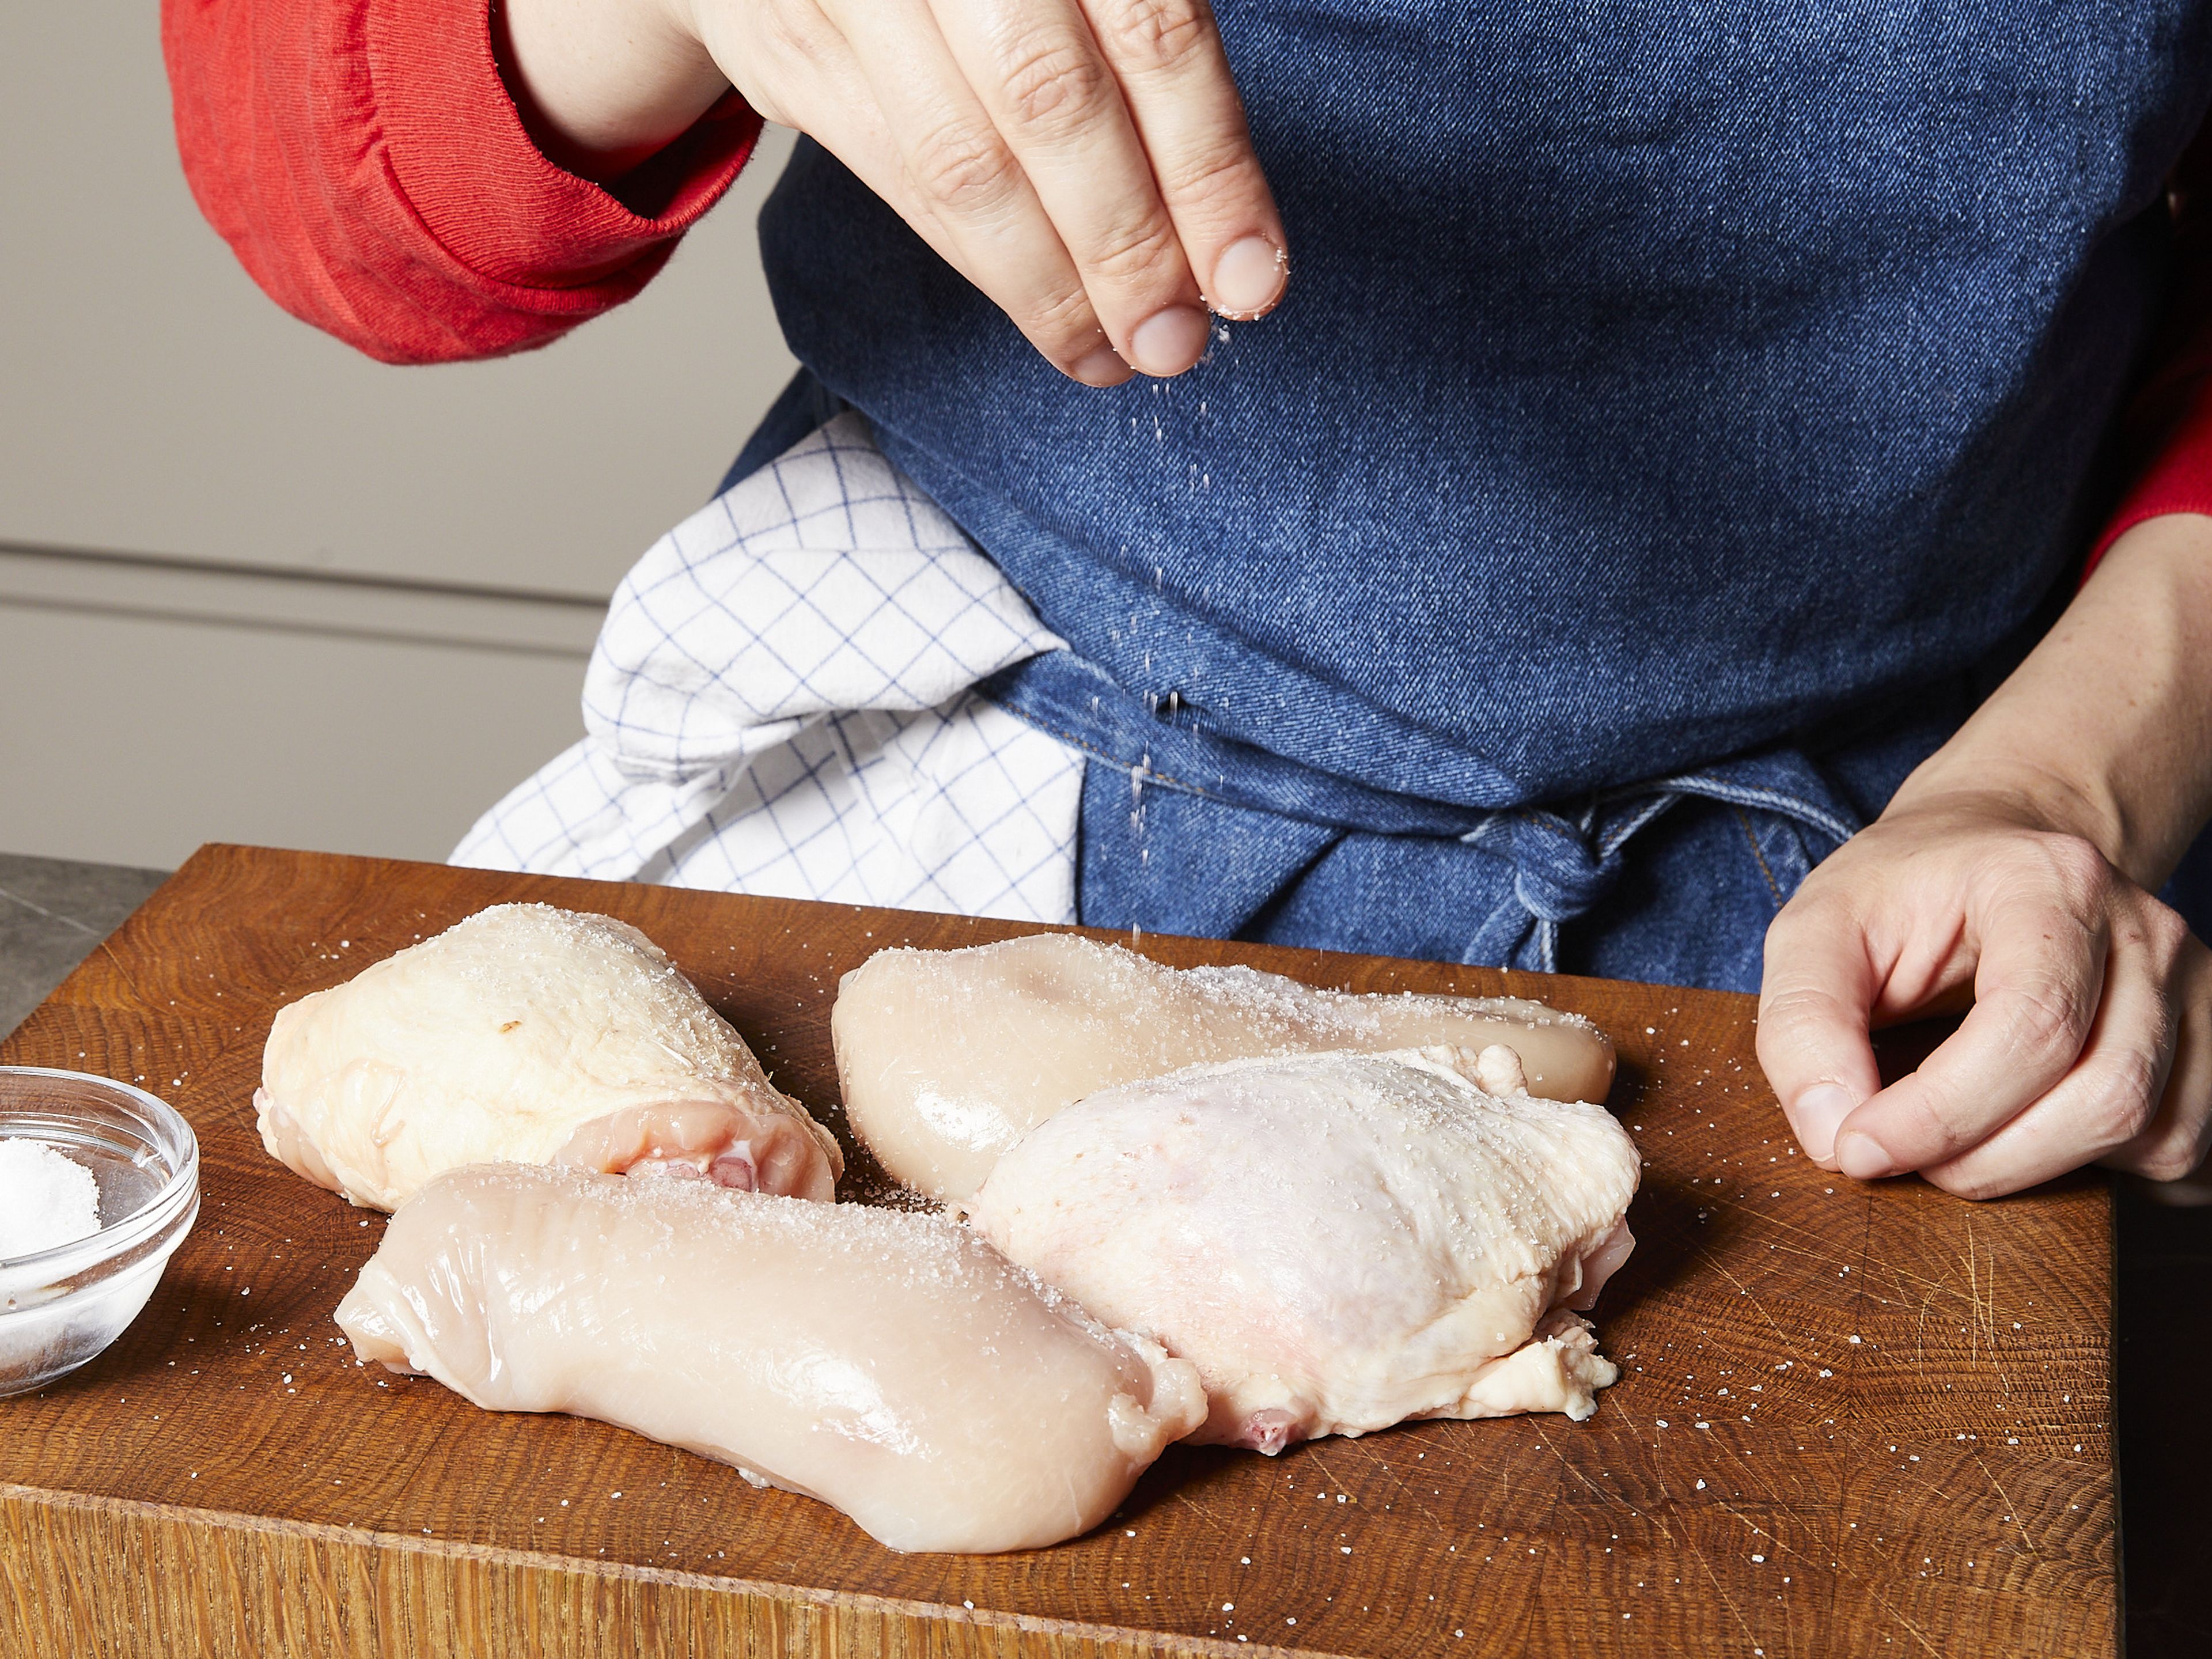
(2090,1033)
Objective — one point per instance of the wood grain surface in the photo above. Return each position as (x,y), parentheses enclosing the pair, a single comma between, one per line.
(1853,1420)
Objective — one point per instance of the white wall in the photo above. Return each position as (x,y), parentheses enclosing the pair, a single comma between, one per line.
(152,402)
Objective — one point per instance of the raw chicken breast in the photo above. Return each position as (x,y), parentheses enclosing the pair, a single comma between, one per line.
(1338,1242)
(529,1035)
(947,1058)
(893,1364)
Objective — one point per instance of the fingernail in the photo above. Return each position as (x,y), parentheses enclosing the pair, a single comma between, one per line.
(1821,1112)
(1862,1157)
(1102,368)
(1169,342)
(1248,277)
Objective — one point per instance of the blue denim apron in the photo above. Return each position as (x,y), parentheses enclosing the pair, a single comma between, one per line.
(1680,415)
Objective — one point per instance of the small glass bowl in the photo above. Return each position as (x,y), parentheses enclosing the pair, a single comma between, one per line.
(60,1308)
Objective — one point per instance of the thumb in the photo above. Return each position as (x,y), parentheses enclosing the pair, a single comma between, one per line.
(1814,1004)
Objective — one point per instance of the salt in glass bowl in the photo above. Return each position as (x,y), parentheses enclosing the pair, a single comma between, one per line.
(60,1308)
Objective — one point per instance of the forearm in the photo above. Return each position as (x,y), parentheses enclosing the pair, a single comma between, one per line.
(2105,730)
(604,84)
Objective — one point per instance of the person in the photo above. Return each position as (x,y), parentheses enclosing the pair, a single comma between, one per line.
(1717,499)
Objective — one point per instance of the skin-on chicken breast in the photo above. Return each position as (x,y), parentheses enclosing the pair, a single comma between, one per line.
(530,1035)
(947,1058)
(893,1364)
(1339,1241)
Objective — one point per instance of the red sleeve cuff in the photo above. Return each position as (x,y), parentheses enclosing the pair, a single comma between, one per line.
(364,161)
(2179,476)
(2167,426)
(491,200)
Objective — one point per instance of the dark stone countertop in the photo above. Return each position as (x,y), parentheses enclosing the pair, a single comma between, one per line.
(53,912)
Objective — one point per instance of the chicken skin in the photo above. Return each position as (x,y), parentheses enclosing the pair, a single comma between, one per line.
(1339,1241)
(947,1058)
(893,1364)
(534,1036)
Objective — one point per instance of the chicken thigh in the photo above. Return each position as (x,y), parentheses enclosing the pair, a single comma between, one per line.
(530,1035)
(1339,1241)
(947,1058)
(893,1364)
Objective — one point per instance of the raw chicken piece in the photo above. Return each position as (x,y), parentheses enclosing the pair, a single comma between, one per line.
(1338,1242)
(947,1058)
(532,1035)
(893,1364)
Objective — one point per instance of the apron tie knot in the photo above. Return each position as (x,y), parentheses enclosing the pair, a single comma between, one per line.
(1557,873)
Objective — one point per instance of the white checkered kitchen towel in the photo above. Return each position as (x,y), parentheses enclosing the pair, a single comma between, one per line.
(781,702)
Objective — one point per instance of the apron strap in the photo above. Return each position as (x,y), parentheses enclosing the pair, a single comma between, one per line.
(1563,865)
(1565,859)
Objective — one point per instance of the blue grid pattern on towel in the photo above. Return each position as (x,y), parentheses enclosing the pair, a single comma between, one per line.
(780,703)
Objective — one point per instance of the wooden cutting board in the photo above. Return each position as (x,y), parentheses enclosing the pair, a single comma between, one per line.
(1854,1420)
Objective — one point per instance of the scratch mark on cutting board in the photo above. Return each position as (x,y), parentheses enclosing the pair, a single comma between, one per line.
(1721,1589)
(1184,1499)
(1890,1607)
(1398,1486)
(1329,1475)
(107,948)
(1776,1542)
(1596,1491)
(1658,1474)
(1825,1245)
(1772,1537)
(1982,1283)
(2012,1509)
(1721,1268)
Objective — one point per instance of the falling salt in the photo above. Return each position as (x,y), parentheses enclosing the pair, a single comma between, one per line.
(46,1199)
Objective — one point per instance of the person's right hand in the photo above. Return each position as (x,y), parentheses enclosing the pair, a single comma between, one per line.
(1084,163)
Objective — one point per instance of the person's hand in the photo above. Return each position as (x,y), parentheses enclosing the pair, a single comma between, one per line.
(2090,1033)
(1084,163)
(2015,871)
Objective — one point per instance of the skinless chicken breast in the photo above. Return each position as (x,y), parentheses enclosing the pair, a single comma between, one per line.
(947,1058)
(892,1364)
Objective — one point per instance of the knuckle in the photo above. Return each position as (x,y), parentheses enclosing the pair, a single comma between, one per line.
(2051,1014)
(2175,1149)
(1812,915)
(1783,933)
(1832,894)
(2164,930)
(1792,1006)
(1974,1187)
(1216,169)
(2077,869)
(2124,1102)
(1063,325)
(1928,1127)
(1157,36)
(1796,1023)
(2169,1161)
(1777,1059)
(796,35)
(1140,251)
(1052,82)
(963,167)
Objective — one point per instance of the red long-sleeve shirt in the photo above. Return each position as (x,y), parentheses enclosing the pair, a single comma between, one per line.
(367,163)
